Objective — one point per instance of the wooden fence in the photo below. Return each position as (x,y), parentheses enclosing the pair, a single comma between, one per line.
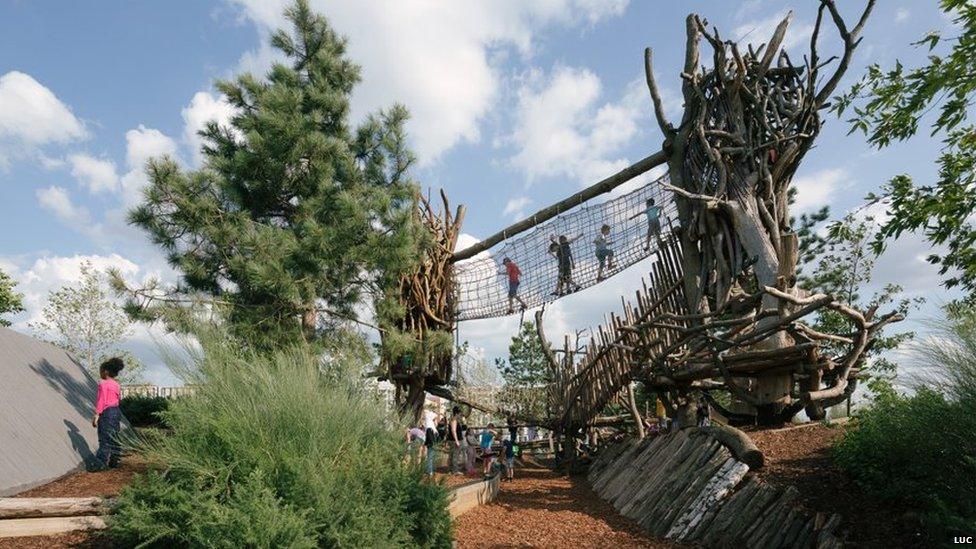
(157,391)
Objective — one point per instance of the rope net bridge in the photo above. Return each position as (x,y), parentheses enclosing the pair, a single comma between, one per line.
(482,285)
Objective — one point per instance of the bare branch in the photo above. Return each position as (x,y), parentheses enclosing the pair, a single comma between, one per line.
(662,120)
(774,43)
(851,40)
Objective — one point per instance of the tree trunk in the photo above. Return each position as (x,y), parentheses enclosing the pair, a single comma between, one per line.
(414,397)
(310,321)
(632,402)
(771,392)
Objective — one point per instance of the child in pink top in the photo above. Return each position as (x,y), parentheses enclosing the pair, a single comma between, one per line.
(108,417)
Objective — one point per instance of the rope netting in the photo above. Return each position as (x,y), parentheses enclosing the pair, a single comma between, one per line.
(482,282)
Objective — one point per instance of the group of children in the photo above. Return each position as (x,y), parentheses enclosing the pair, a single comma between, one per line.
(465,446)
(560,247)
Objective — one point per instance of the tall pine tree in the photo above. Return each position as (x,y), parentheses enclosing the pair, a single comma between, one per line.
(293,216)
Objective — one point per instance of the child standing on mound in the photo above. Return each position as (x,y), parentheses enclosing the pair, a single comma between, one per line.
(108,417)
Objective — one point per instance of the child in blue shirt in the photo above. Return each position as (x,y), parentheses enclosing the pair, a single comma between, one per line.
(653,213)
(509,458)
(487,454)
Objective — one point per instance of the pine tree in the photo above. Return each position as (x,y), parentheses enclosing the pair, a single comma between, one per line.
(526,374)
(526,365)
(10,301)
(294,217)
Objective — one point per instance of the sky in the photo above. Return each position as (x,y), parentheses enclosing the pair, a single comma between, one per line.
(514,106)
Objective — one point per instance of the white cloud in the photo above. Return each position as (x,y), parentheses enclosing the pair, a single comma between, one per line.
(56,200)
(31,116)
(515,207)
(97,175)
(142,143)
(759,31)
(818,189)
(203,108)
(562,130)
(902,14)
(434,57)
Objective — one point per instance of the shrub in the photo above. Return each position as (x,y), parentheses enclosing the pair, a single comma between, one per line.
(144,411)
(920,450)
(270,452)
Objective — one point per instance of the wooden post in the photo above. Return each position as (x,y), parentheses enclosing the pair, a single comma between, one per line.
(634,411)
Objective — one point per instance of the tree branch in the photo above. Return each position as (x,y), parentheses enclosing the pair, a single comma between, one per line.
(662,120)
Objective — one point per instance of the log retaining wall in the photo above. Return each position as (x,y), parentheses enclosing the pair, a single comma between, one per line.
(687,486)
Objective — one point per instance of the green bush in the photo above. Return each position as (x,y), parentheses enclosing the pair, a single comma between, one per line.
(919,451)
(269,452)
(144,411)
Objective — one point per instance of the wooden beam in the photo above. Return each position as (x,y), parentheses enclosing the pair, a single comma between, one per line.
(48,526)
(549,212)
(17,508)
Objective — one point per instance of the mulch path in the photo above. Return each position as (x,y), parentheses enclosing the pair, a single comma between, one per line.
(802,457)
(541,508)
(84,484)
(453,481)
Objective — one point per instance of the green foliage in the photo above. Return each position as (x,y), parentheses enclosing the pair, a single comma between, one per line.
(84,320)
(279,449)
(840,264)
(293,214)
(157,511)
(10,301)
(144,411)
(888,105)
(920,450)
(526,363)
(526,373)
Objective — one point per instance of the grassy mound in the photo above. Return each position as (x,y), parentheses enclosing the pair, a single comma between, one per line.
(274,451)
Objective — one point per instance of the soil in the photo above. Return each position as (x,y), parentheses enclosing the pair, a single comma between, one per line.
(453,481)
(84,484)
(74,540)
(801,457)
(541,508)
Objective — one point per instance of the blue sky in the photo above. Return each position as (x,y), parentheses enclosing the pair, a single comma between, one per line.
(516,104)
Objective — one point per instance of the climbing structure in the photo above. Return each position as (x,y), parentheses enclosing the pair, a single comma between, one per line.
(482,288)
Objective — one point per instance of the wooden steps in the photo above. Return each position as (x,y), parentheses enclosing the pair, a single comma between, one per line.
(20,517)
(687,486)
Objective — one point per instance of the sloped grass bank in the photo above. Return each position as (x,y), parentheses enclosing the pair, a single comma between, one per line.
(274,451)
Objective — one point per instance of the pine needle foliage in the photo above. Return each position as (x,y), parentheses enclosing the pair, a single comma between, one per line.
(294,214)
(279,449)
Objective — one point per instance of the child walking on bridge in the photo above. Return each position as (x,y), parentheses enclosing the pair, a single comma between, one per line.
(604,254)
(561,250)
(514,279)
(653,213)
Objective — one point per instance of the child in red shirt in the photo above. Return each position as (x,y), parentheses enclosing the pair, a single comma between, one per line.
(514,278)
(108,417)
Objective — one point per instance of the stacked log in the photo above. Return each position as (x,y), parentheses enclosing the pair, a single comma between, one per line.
(20,517)
(688,486)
